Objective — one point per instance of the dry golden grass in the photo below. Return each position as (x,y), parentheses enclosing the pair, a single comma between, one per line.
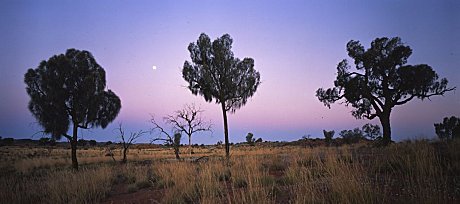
(415,172)
(57,186)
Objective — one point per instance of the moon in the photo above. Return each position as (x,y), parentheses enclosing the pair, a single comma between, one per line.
(154,67)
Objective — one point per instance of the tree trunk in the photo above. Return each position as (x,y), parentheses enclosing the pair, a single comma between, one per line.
(73,145)
(227,145)
(190,144)
(125,150)
(385,121)
(176,151)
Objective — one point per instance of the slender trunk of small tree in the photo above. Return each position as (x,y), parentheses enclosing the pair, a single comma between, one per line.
(227,145)
(125,150)
(73,145)
(176,152)
(385,121)
(190,144)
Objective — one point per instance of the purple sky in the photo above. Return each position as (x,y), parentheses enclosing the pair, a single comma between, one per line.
(296,46)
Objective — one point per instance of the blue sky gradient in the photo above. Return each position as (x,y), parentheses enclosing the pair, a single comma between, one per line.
(296,46)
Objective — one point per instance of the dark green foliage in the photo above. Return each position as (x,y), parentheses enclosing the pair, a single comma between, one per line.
(171,141)
(45,141)
(371,132)
(449,128)
(52,142)
(7,141)
(92,142)
(328,136)
(177,137)
(259,140)
(82,142)
(382,80)
(216,74)
(69,89)
(174,142)
(250,139)
(351,136)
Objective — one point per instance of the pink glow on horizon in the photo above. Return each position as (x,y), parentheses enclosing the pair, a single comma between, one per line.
(296,47)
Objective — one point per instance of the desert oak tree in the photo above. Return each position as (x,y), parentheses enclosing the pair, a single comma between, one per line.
(69,89)
(381,81)
(216,74)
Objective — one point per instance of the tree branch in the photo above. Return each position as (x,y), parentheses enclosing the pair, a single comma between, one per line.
(67,136)
(162,131)
(397,103)
(371,116)
(436,93)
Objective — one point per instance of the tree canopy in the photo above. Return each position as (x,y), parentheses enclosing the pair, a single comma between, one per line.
(216,74)
(381,80)
(371,131)
(449,128)
(70,89)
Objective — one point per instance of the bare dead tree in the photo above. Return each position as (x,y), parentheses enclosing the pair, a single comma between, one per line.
(188,120)
(128,141)
(169,139)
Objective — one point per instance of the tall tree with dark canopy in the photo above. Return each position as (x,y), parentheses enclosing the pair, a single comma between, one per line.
(381,81)
(69,89)
(216,74)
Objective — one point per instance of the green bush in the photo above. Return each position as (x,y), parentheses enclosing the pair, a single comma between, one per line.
(449,128)
(351,136)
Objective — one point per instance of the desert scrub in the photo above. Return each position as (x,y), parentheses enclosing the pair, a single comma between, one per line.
(192,183)
(327,177)
(415,172)
(208,184)
(182,176)
(59,186)
(418,170)
(247,181)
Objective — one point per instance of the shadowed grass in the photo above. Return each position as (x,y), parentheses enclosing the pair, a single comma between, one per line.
(412,172)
